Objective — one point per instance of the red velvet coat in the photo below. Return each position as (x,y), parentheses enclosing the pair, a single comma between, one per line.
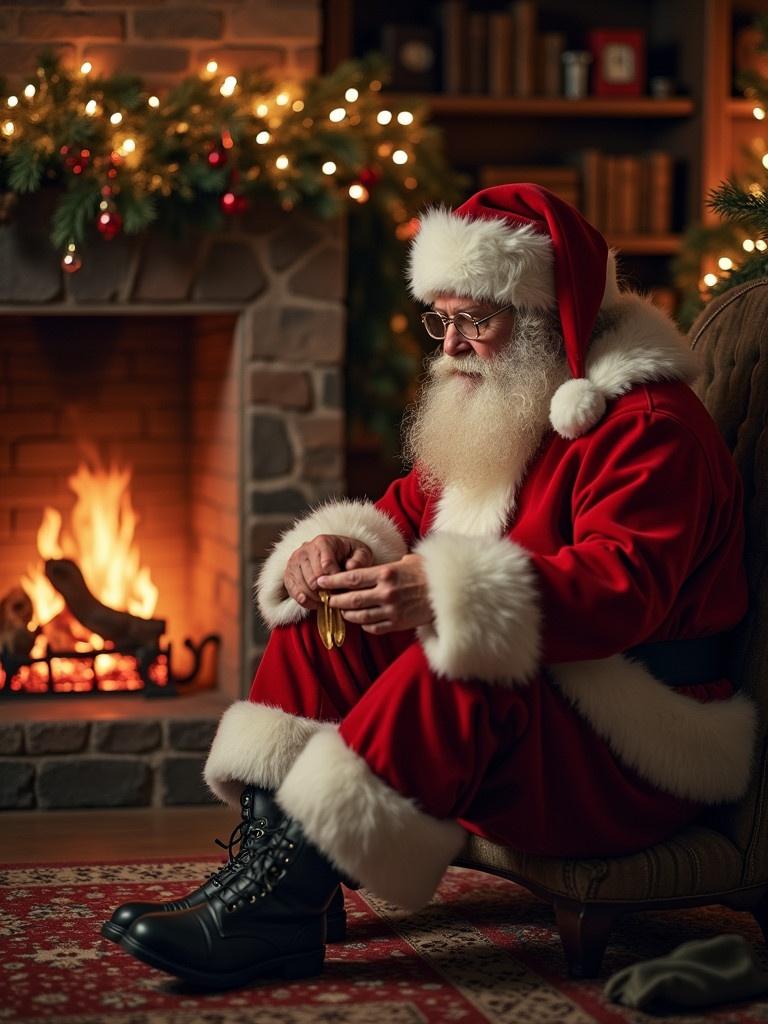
(625,528)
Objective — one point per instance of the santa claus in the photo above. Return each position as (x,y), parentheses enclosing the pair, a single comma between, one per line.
(530,626)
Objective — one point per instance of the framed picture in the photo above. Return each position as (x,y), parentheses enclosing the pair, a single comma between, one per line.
(410,51)
(618,61)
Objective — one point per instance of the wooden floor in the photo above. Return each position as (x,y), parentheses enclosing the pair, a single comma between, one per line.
(55,837)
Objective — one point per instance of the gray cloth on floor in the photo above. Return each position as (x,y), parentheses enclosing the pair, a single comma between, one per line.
(700,973)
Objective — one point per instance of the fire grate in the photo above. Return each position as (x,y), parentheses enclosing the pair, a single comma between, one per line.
(145,669)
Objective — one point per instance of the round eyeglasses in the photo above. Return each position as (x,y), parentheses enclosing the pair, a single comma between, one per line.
(468,326)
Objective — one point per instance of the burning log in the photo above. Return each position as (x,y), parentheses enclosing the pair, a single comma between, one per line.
(16,613)
(122,628)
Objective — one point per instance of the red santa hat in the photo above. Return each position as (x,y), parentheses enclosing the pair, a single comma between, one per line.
(522,245)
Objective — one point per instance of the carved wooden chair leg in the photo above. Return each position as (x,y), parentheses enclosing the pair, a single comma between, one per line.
(584,932)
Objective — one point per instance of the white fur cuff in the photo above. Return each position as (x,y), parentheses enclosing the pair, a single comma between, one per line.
(255,744)
(487,616)
(358,519)
(366,828)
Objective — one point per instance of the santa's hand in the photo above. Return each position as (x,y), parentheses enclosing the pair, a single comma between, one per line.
(326,553)
(382,598)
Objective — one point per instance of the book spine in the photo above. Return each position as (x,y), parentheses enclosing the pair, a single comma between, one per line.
(628,172)
(611,216)
(593,186)
(501,35)
(550,46)
(454,25)
(658,192)
(524,13)
(478,53)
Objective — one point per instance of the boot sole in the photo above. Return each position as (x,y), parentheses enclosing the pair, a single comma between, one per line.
(336,929)
(299,965)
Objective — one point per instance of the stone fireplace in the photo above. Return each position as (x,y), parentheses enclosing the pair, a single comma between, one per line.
(210,366)
(212,369)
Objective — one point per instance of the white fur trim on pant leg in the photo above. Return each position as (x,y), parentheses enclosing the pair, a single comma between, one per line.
(254,745)
(696,751)
(367,829)
(487,617)
(358,519)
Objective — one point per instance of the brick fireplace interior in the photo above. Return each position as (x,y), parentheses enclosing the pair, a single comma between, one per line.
(159,396)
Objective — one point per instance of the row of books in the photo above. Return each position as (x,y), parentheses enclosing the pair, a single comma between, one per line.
(499,53)
(620,195)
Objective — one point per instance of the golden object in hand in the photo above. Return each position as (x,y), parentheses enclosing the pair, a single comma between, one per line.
(330,623)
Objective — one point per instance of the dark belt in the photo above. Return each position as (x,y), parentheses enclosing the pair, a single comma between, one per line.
(683,662)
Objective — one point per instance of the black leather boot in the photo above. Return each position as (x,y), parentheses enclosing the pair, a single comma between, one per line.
(266,920)
(258,812)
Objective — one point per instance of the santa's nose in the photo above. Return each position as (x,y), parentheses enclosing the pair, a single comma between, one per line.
(453,343)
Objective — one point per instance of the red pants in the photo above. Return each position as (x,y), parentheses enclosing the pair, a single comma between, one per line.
(517,765)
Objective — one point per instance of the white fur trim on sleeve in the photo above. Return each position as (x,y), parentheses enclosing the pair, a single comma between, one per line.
(358,519)
(487,616)
(696,751)
(367,829)
(255,745)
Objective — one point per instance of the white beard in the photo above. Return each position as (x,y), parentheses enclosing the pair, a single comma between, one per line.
(479,433)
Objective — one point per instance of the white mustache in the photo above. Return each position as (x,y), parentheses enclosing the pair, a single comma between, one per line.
(443,367)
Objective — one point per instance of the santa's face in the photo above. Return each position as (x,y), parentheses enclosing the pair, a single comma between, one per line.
(484,404)
(495,333)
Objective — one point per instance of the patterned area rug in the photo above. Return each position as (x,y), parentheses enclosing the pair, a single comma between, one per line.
(484,950)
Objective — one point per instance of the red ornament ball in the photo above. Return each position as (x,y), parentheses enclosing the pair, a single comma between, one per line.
(369,177)
(109,224)
(217,157)
(232,204)
(71,263)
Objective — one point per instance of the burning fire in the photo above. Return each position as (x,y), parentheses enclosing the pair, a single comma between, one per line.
(100,540)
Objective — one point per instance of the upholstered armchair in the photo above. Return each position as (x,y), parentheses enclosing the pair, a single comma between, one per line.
(724,857)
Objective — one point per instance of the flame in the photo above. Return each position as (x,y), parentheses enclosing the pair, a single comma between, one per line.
(101,540)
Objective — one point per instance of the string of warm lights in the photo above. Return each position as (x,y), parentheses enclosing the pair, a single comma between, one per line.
(745,206)
(123,157)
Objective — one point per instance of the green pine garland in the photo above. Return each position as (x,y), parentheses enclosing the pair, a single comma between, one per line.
(106,147)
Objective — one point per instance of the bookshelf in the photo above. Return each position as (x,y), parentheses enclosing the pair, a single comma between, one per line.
(700,125)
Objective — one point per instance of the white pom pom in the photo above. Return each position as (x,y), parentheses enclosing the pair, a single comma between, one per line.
(576,407)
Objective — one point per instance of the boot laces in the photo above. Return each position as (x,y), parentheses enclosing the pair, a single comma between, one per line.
(265,867)
(242,842)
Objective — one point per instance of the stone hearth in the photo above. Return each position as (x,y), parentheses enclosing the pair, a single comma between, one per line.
(115,752)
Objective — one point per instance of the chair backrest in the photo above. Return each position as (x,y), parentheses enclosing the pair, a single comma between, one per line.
(731,337)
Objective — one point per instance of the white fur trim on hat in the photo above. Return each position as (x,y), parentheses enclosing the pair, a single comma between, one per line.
(487,616)
(487,260)
(576,407)
(255,745)
(367,829)
(357,519)
(643,345)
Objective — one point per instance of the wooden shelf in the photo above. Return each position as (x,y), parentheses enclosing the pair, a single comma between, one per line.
(645,245)
(546,106)
(742,108)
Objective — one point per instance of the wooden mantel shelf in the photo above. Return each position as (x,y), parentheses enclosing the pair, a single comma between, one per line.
(545,106)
